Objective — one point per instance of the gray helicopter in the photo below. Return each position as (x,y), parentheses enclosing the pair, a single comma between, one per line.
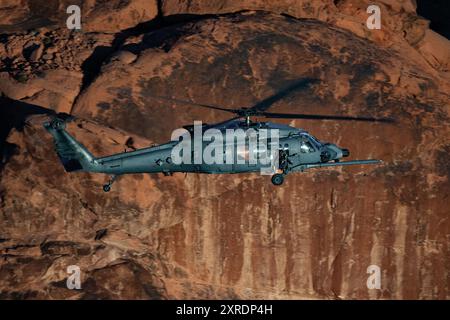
(295,150)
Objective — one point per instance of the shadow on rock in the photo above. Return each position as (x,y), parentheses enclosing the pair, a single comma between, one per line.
(13,115)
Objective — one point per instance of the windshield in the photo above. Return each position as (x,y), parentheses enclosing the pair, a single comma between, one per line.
(315,141)
(307,144)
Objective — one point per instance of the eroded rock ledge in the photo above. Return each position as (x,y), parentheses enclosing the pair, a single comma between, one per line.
(228,236)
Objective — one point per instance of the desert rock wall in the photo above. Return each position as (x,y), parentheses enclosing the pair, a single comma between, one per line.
(224,236)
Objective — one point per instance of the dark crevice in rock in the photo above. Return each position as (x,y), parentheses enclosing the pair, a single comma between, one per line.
(3,38)
(159,4)
(13,114)
(91,67)
(8,150)
(100,234)
(19,246)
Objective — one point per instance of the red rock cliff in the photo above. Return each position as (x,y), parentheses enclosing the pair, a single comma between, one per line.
(227,236)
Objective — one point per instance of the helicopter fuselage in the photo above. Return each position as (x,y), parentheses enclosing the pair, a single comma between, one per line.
(295,147)
(293,150)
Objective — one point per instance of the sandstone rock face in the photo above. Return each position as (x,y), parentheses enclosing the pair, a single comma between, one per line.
(97,16)
(54,76)
(400,23)
(113,16)
(13,10)
(347,14)
(233,236)
(302,8)
(434,48)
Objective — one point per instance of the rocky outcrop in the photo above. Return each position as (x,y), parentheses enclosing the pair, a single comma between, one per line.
(30,54)
(231,236)
(401,26)
(96,15)
(48,67)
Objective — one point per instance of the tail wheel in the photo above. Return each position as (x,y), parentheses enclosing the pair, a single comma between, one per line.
(277,179)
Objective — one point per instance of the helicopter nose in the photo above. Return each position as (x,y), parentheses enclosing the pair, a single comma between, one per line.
(345,153)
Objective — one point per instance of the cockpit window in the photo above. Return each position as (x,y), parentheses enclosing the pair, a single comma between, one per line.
(315,141)
(306,147)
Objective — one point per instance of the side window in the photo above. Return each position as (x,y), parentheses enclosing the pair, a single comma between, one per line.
(306,147)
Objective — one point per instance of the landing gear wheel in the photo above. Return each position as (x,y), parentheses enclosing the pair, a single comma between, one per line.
(278,179)
(107,187)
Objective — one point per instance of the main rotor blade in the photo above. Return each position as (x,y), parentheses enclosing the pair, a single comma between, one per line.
(297,85)
(321,117)
(194,104)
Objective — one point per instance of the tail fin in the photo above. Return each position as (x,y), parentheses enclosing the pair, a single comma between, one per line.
(73,155)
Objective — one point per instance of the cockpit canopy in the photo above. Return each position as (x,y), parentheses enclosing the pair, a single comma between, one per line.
(308,143)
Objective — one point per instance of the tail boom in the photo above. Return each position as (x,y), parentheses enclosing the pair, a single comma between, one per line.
(73,155)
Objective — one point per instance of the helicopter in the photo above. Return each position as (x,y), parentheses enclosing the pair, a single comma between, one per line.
(295,150)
